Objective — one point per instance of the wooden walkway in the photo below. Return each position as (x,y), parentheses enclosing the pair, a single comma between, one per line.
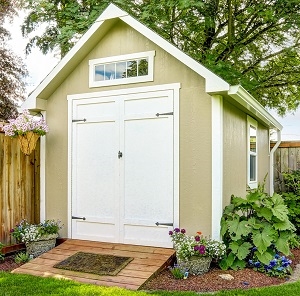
(147,262)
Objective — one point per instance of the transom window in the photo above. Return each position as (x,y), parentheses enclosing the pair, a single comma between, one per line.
(252,152)
(131,68)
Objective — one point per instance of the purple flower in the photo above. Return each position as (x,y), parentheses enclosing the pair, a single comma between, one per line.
(12,230)
(202,250)
(257,264)
(170,232)
(182,230)
(197,238)
(177,230)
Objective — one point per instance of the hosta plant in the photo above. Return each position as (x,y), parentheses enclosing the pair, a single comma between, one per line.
(258,221)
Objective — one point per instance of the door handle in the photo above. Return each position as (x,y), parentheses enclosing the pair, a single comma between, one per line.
(165,224)
(78,218)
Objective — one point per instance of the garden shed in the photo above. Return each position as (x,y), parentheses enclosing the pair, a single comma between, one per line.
(143,138)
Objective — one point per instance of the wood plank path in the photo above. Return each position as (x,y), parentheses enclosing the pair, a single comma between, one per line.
(147,262)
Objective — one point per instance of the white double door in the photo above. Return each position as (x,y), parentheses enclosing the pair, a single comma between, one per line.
(122,168)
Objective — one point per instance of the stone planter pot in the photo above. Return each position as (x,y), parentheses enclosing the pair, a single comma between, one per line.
(45,244)
(195,265)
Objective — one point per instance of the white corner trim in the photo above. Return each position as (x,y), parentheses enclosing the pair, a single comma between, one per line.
(271,173)
(43,174)
(176,169)
(217,165)
(70,106)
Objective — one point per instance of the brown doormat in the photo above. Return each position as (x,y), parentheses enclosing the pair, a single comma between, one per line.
(100,264)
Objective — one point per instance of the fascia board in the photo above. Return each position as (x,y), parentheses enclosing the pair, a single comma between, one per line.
(243,98)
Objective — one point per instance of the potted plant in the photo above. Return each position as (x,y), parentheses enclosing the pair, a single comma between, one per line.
(28,129)
(195,253)
(38,238)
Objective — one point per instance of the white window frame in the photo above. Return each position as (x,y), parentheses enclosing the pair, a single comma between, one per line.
(252,123)
(149,55)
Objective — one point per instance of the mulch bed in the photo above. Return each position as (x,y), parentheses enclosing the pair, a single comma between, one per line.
(210,281)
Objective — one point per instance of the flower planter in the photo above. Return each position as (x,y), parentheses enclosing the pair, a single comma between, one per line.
(195,265)
(45,244)
(28,142)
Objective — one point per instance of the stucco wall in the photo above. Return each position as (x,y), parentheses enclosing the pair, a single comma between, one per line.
(195,128)
(235,152)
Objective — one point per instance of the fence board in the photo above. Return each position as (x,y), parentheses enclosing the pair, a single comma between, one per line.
(286,159)
(19,186)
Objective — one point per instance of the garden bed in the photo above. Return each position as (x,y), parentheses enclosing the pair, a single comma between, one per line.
(211,281)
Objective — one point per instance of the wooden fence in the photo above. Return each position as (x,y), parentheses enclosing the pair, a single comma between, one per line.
(287,159)
(19,186)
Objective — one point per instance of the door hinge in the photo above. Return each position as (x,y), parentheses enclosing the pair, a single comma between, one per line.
(120,154)
(168,113)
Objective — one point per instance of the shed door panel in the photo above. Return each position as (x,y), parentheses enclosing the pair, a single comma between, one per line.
(122,198)
(94,171)
(148,170)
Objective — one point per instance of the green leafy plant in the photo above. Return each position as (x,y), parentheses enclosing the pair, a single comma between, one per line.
(177,272)
(258,221)
(291,196)
(292,181)
(22,257)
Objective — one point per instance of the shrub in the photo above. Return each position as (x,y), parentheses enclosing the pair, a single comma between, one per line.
(291,197)
(259,221)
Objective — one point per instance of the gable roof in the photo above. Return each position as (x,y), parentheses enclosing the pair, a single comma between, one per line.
(213,83)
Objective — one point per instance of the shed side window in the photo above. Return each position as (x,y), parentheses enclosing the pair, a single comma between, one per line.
(252,152)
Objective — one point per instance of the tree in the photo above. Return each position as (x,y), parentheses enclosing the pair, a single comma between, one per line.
(254,43)
(12,69)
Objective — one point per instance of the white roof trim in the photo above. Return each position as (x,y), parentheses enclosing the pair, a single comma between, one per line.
(240,95)
(213,82)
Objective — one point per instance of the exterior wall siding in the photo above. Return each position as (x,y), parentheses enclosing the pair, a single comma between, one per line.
(235,153)
(195,128)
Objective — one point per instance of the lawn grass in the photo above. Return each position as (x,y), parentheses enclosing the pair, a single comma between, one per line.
(20,285)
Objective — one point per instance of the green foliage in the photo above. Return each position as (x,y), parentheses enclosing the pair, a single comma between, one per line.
(12,69)
(291,197)
(22,257)
(255,226)
(252,43)
(177,272)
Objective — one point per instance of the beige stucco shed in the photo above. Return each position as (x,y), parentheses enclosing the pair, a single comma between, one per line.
(143,138)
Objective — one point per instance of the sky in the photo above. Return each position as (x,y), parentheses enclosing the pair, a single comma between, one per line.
(40,65)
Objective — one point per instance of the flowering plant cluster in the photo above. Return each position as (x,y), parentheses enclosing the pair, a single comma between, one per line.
(26,232)
(25,123)
(279,266)
(188,246)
